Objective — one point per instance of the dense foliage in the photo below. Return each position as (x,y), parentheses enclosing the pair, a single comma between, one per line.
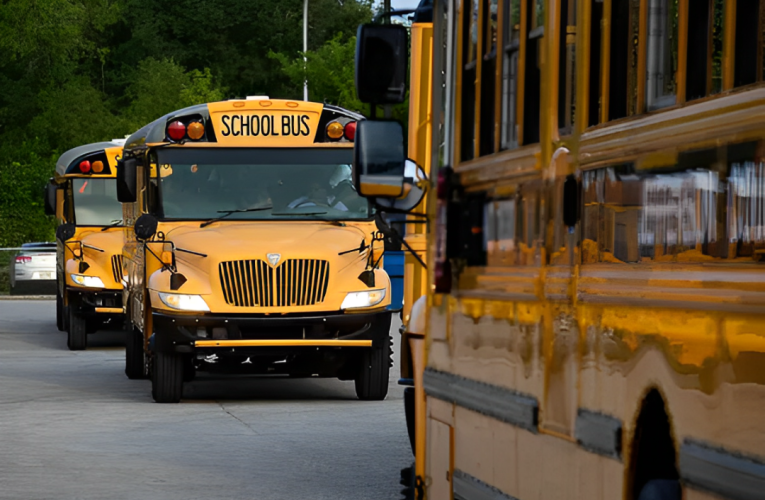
(80,71)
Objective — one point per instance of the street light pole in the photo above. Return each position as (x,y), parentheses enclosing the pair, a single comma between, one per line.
(305,48)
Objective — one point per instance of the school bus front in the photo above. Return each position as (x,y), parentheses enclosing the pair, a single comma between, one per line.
(264,258)
(89,269)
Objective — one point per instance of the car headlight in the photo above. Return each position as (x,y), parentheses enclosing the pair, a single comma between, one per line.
(367,298)
(89,281)
(184,302)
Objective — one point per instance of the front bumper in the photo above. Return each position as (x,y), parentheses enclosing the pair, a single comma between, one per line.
(101,303)
(186,333)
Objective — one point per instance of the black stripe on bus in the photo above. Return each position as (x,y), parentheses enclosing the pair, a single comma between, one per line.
(719,471)
(467,487)
(491,400)
(598,433)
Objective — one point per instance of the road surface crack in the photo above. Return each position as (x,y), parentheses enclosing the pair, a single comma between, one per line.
(236,418)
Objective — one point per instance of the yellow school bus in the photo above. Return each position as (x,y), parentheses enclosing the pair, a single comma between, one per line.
(594,326)
(251,251)
(83,197)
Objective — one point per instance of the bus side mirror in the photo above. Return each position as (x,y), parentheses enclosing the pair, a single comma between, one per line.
(65,231)
(570,201)
(382,57)
(378,159)
(145,227)
(50,198)
(127,180)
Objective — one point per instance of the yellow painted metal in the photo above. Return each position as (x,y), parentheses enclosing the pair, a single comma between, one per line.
(110,310)
(729,43)
(283,343)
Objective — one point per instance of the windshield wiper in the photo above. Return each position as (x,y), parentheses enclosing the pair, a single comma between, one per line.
(226,213)
(298,213)
(114,223)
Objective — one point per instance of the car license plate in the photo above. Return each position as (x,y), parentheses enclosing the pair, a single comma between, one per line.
(42,276)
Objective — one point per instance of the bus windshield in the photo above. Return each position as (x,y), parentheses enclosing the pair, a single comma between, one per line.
(95,202)
(258,184)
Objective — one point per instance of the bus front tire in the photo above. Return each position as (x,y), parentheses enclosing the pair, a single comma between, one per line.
(135,362)
(167,378)
(374,370)
(77,332)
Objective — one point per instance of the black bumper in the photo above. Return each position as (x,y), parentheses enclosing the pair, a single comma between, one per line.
(179,332)
(88,302)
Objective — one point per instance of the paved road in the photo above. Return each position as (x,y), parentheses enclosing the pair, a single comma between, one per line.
(72,426)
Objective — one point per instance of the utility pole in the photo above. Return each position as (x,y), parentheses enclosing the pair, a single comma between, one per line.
(386,9)
(305,47)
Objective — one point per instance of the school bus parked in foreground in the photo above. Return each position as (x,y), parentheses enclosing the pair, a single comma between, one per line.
(249,250)
(595,323)
(83,197)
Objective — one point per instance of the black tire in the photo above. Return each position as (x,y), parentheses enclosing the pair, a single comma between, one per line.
(135,359)
(167,378)
(59,313)
(374,370)
(661,489)
(77,332)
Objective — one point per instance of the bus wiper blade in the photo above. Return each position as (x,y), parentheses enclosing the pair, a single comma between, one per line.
(226,213)
(114,223)
(298,213)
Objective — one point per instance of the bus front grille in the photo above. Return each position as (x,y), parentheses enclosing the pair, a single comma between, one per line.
(254,283)
(117,268)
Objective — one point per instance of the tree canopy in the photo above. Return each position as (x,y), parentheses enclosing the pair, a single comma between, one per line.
(79,71)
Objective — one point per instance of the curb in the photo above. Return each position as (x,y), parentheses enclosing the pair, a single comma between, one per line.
(27,297)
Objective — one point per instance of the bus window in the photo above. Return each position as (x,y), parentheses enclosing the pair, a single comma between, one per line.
(511,35)
(661,64)
(95,202)
(499,232)
(566,66)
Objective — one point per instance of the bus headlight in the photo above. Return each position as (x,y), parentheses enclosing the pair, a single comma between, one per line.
(367,298)
(184,302)
(89,281)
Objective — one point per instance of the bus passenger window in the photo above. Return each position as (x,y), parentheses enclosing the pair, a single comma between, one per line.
(661,64)
(748,42)
(620,51)
(469,48)
(511,43)
(532,85)
(567,66)
(488,77)
(596,26)
(704,42)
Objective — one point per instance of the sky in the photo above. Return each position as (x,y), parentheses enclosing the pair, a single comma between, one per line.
(400,4)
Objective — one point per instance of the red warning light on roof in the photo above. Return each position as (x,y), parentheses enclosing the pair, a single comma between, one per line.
(85,166)
(176,131)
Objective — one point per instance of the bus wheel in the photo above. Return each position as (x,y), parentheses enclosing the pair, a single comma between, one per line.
(167,378)
(135,361)
(372,377)
(654,475)
(59,312)
(77,333)
(661,489)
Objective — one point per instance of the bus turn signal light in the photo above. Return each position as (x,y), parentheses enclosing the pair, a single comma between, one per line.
(335,131)
(195,130)
(176,131)
(350,131)
(85,166)
(97,166)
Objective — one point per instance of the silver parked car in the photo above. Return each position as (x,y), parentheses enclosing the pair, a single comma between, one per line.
(34,270)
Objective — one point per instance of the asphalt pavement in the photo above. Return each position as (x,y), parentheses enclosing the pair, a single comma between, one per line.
(72,426)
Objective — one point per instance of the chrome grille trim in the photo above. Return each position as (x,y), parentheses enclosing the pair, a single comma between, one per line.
(117,268)
(254,283)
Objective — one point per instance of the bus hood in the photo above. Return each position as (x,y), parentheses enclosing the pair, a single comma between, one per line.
(101,264)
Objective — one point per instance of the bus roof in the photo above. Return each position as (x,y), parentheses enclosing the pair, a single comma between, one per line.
(68,158)
(260,122)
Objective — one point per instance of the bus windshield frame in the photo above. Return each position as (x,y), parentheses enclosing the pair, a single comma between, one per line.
(256,184)
(82,201)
